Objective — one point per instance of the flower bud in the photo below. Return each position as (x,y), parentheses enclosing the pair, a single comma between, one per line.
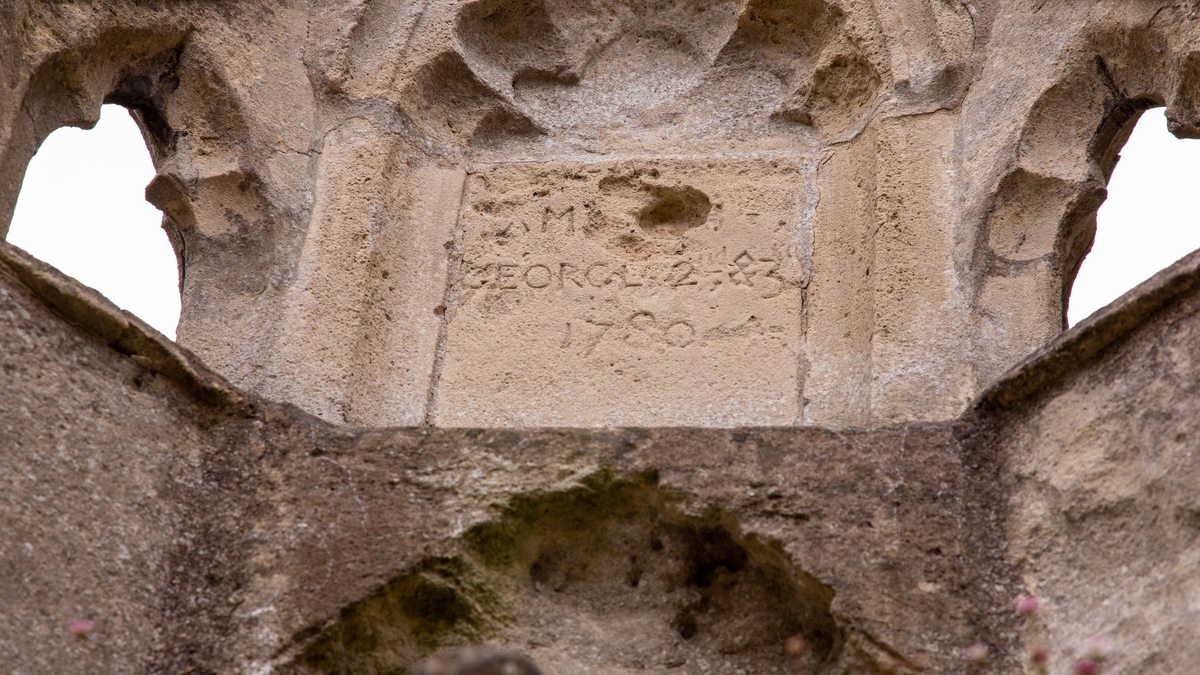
(977,654)
(1039,655)
(1027,605)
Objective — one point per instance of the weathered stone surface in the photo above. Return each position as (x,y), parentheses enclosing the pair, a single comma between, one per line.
(674,285)
(337,176)
(1098,441)
(93,508)
(590,551)
(478,661)
(491,214)
(201,529)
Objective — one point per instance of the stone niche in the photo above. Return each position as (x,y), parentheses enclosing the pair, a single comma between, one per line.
(629,292)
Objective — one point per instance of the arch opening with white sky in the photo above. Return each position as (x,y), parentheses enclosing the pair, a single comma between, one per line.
(1150,219)
(82,209)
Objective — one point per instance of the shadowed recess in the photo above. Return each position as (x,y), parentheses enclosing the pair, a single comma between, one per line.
(612,571)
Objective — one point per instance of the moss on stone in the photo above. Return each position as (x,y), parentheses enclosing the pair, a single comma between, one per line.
(437,604)
(570,518)
(592,542)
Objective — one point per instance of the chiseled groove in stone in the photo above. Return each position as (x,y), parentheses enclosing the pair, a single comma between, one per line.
(454,256)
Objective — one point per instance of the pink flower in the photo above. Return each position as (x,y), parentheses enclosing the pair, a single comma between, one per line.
(81,627)
(1086,667)
(1095,648)
(1039,656)
(977,654)
(795,645)
(1027,604)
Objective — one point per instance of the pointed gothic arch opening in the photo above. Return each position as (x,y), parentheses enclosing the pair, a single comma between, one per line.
(82,209)
(1149,220)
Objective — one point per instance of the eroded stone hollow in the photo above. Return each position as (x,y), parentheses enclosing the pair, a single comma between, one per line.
(609,576)
(674,211)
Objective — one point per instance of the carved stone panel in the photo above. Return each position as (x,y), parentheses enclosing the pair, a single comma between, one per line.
(627,292)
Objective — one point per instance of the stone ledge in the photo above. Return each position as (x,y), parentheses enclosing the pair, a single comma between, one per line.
(1082,344)
(87,309)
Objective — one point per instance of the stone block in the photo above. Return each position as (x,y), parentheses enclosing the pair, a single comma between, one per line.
(632,292)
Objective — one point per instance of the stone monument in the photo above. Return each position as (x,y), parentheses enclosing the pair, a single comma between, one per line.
(641,335)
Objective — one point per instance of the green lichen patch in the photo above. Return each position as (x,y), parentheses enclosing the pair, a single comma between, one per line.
(440,603)
(613,568)
(570,520)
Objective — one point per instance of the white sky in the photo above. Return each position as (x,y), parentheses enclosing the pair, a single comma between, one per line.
(1150,220)
(82,210)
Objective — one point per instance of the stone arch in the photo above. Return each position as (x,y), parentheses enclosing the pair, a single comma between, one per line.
(1147,222)
(1038,220)
(613,575)
(67,89)
(233,208)
(176,93)
(81,209)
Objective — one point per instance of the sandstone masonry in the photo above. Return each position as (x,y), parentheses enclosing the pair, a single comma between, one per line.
(628,335)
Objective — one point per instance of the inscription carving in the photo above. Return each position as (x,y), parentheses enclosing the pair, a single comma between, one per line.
(650,288)
(639,329)
(741,269)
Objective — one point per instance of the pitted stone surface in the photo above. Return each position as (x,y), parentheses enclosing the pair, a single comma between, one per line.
(847,218)
(204,530)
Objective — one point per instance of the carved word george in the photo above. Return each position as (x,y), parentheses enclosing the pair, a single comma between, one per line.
(743,270)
